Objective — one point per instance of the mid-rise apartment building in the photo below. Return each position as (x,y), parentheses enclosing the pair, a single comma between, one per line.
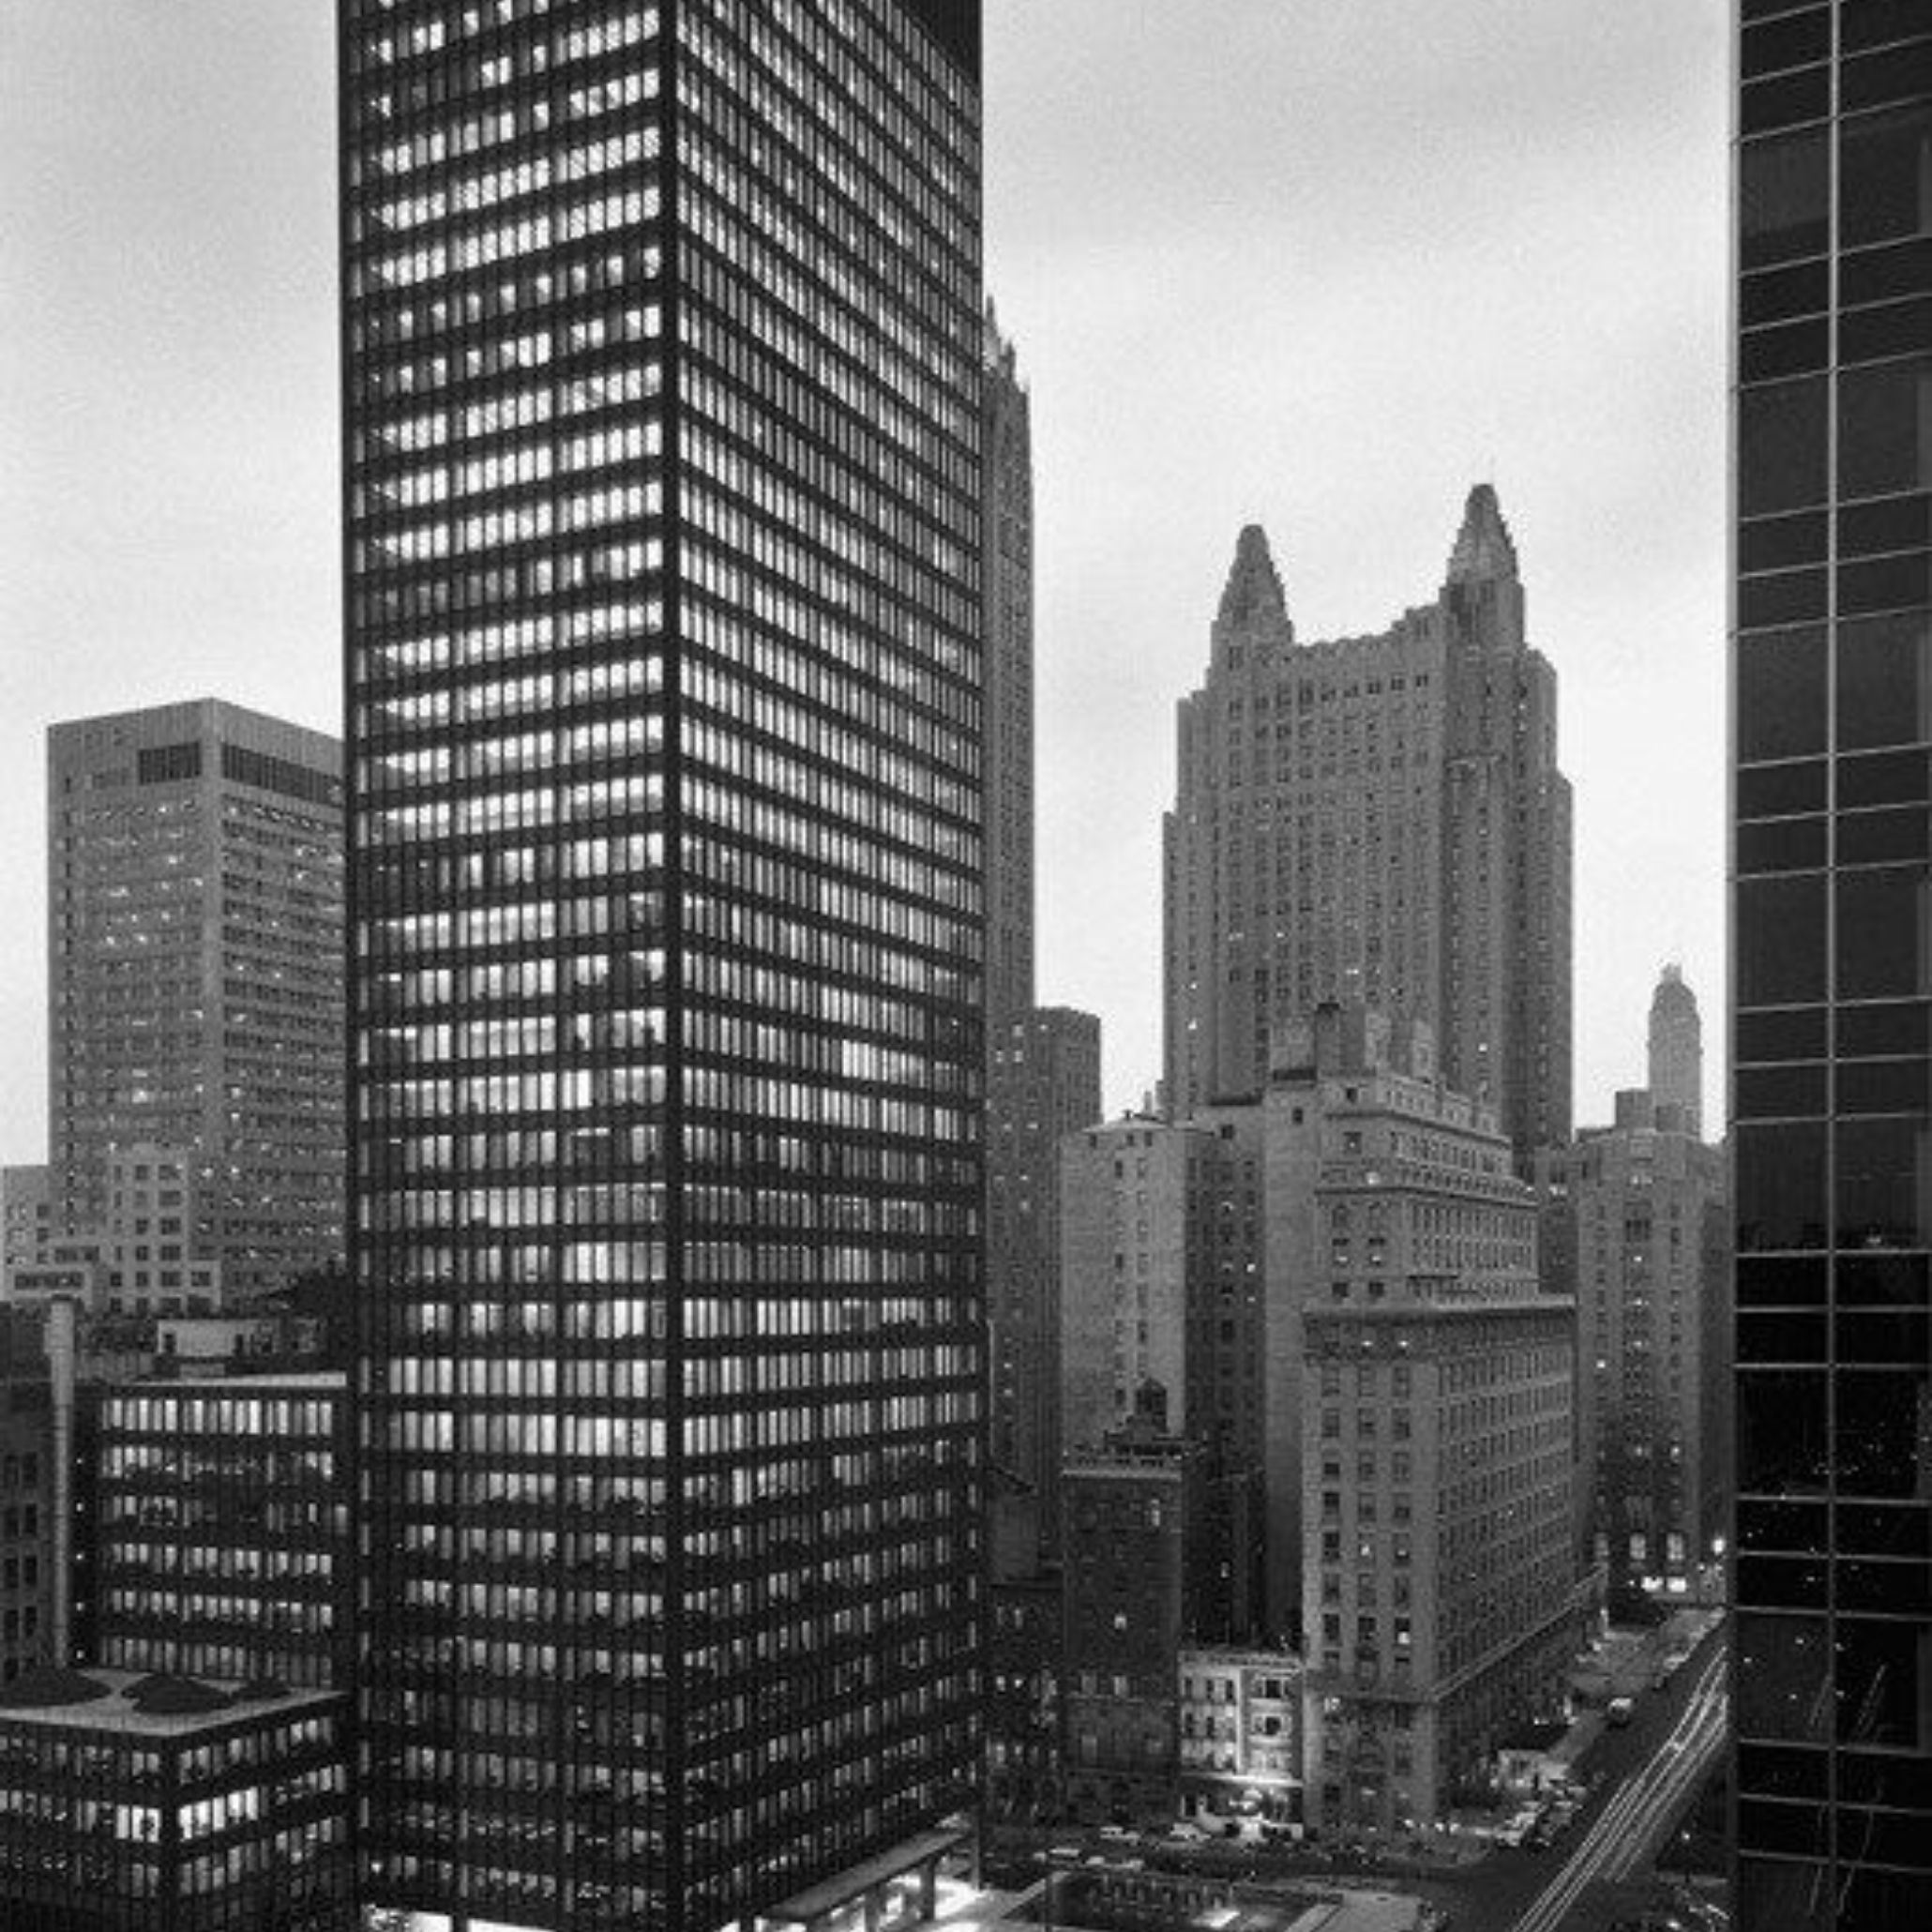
(1638,1211)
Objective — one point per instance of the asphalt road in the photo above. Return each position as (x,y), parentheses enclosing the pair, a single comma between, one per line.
(1647,1775)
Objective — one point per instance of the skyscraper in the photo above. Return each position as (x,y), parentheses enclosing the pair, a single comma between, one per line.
(1006,497)
(1382,820)
(1043,1063)
(195,975)
(1832,987)
(1043,1082)
(663,330)
(1677,1051)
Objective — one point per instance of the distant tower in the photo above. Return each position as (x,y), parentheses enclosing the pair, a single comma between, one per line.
(195,868)
(1006,604)
(1677,1049)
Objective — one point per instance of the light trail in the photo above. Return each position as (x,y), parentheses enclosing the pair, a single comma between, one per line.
(1622,1833)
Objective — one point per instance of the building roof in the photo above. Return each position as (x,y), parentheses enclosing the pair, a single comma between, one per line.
(159,1706)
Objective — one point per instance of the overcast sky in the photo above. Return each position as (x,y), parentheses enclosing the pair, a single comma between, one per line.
(1318,263)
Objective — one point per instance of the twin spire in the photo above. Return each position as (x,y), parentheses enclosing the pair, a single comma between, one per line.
(1483,553)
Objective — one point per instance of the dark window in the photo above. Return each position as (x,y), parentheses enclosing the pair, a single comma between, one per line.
(1773,790)
(1799,39)
(1781,845)
(1779,543)
(167,765)
(1783,1678)
(1886,681)
(1782,429)
(1781,694)
(1796,1034)
(1870,335)
(1885,777)
(1780,933)
(1882,1183)
(1877,80)
(1784,199)
(1783,1447)
(1874,1280)
(1790,1526)
(1780,1093)
(1881,933)
(1884,429)
(1878,1680)
(1782,1281)
(1777,294)
(1781,1186)
(1781,1892)
(1786,102)
(1885,187)
(1865,1031)
(1873,22)
(1789,1829)
(1882,583)
(1881,274)
(1775,1772)
(1882,1086)
(1897,523)
(1881,838)
(1792,596)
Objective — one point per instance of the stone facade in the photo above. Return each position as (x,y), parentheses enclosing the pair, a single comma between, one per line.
(1380,821)
(1640,1211)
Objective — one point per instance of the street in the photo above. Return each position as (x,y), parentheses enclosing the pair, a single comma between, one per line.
(1647,1775)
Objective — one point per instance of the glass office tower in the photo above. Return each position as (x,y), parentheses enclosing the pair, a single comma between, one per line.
(1833,966)
(662,341)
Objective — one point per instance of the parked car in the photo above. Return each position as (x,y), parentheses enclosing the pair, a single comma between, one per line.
(1120,1835)
(1619,1710)
(1187,1835)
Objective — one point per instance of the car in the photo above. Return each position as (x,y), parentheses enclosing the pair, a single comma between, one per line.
(1063,1855)
(1513,1833)
(1119,1834)
(1619,1710)
(1187,1835)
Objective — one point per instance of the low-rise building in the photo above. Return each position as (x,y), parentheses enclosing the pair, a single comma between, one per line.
(222,1545)
(1241,1735)
(1131,1526)
(28,1567)
(133,1803)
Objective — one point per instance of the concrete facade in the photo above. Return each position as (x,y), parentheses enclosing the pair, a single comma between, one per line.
(1043,1081)
(1639,1210)
(195,973)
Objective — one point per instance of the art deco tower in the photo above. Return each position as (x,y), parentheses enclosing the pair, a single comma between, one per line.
(663,334)
(1379,819)
(1677,1050)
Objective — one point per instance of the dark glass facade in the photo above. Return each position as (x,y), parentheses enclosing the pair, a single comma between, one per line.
(662,341)
(1832,733)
